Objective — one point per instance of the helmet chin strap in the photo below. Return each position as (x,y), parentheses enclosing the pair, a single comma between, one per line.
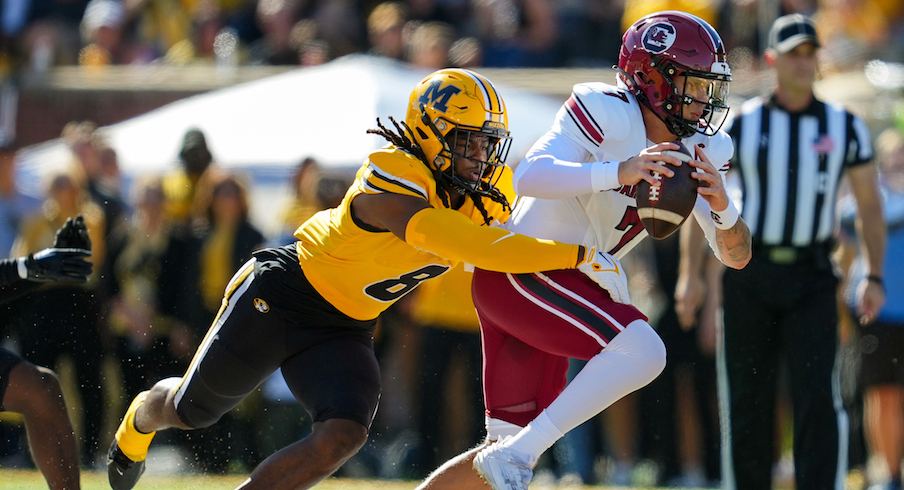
(671,122)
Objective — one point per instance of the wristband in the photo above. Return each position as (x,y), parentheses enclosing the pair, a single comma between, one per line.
(604,176)
(726,218)
(22,267)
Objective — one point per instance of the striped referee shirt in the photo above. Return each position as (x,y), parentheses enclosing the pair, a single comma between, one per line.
(790,165)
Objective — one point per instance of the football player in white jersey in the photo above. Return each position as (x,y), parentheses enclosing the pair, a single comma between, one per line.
(576,185)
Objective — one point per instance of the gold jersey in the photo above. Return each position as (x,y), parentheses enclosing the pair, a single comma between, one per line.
(362,271)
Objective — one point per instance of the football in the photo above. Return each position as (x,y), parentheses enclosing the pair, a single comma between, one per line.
(664,207)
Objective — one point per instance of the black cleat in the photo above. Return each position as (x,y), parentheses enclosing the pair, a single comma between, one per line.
(123,472)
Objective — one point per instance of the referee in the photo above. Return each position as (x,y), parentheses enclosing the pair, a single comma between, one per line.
(791,151)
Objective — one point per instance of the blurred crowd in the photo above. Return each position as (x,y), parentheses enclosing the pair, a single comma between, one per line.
(36,35)
(165,248)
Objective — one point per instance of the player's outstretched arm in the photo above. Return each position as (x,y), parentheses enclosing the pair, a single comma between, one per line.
(12,286)
(65,262)
(454,236)
(56,265)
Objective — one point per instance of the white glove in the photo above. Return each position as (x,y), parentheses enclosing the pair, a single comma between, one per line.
(606,271)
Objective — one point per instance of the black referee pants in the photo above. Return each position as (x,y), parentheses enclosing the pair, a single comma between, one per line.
(779,315)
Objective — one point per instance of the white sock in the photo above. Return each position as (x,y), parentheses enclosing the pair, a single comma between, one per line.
(538,436)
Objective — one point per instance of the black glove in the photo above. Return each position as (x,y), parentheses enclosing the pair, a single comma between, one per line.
(59,264)
(73,234)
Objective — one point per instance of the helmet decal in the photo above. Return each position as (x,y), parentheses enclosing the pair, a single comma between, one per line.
(659,37)
(439,97)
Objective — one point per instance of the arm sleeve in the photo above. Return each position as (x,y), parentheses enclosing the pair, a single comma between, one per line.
(452,235)
(557,158)
(701,214)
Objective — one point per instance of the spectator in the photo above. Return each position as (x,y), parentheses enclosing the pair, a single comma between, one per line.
(157,26)
(852,32)
(590,32)
(99,162)
(882,342)
(791,151)
(102,34)
(429,43)
(385,25)
(305,200)
(51,36)
(67,313)
(518,33)
(15,206)
(276,20)
(144,271)
(340,24)
(227,238)
(466,52)
(180,186)
(457,13)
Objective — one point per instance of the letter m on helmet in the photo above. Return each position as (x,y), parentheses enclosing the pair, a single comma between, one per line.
(438,97)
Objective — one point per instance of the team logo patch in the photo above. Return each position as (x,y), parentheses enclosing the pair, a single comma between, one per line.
(261,305)
(659,37)
(715,217)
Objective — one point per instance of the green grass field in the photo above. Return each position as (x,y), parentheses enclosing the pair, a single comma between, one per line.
(95,480)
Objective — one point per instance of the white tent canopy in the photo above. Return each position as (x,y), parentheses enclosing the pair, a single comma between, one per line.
(267,126)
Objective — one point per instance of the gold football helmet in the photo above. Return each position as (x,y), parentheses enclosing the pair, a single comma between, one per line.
(452,104)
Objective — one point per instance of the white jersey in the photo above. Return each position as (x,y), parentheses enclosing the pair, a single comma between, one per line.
(559,190)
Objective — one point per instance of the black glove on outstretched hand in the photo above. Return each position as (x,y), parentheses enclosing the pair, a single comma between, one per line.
(73,234)
(58,265)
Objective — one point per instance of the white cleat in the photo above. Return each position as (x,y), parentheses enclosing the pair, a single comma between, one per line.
(504,468)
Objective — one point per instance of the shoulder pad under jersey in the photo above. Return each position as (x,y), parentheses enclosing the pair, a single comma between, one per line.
(718,148)
(395,171)
(594,112)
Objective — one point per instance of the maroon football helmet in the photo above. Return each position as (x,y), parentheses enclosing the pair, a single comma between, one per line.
(664,45)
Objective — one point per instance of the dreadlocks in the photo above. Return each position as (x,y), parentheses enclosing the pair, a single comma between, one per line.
(400,139)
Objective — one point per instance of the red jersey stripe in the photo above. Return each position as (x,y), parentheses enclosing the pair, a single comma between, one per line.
(584,120)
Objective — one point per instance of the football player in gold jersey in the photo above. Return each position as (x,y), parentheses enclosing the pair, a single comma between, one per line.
(417,207)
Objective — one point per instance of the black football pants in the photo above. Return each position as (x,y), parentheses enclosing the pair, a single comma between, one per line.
(781,315)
